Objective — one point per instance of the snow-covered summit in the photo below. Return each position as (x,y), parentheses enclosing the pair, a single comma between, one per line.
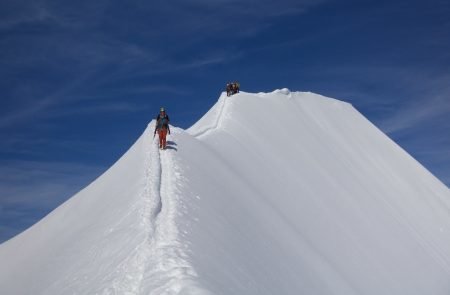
(269,193)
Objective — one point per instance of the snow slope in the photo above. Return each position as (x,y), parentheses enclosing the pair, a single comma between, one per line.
(113,237)
(269,193)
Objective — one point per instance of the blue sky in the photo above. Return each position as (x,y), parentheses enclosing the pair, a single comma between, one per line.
(80,80)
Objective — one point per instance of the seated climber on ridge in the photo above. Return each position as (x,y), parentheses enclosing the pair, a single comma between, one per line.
(162,126)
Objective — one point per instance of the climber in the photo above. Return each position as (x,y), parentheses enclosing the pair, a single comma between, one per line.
(162,126)
(237,87)
(228,88)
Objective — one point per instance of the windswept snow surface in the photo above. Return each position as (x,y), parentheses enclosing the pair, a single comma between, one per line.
(269,193)
(117,236)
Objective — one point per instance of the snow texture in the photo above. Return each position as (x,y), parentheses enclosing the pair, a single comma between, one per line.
(269,193)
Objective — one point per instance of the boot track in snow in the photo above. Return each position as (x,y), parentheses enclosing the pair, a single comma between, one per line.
(222,112)
(165,267)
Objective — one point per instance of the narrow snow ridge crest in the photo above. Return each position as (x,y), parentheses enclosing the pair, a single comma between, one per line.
(167,269)
(149,206)
(214,117)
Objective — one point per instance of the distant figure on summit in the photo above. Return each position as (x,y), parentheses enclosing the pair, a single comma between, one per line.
(233,88)
(162,126)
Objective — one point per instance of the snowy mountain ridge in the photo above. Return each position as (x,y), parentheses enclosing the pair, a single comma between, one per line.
(268,193)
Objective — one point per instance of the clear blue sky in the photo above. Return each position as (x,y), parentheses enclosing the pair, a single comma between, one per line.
(80,80)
